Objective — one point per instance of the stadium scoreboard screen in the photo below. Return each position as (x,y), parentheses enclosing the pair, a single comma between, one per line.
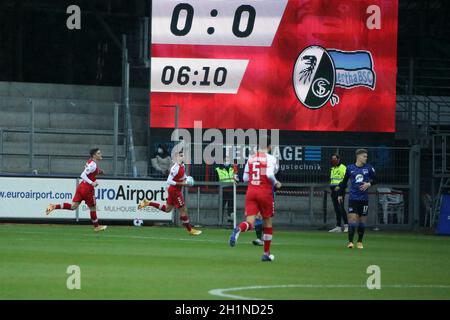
(324,65)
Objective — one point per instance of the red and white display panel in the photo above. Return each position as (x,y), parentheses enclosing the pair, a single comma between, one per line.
(322,65)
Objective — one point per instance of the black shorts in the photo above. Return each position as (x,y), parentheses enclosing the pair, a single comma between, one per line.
(361,208)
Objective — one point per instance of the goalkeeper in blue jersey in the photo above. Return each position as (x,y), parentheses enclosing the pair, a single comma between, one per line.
(361,176)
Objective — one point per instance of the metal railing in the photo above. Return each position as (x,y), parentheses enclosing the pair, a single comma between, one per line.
(298,205)
(31,155)
(441,155)
(422,98)
(425,110)
(32,132)
(307,179)
(421,76)
(391,164)
(51,158)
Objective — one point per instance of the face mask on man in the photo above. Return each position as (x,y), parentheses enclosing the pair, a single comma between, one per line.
(334,162)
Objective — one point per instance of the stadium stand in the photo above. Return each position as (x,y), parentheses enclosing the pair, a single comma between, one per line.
(66,120)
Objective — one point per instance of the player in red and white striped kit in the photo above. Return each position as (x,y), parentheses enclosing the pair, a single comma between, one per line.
(176,181)
(259,172)
(85,190)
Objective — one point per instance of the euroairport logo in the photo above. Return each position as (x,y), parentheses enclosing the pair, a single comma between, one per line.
(130,194)
(318,71)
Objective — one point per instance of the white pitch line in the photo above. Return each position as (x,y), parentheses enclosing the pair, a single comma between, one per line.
(119,236)
(132,237)
(221,292)
(276,244)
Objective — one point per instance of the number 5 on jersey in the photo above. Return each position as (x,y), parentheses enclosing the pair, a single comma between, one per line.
(255,172)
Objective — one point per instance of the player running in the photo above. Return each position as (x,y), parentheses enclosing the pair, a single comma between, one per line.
(85,190)
(177,180)
(260,174)
(361,176)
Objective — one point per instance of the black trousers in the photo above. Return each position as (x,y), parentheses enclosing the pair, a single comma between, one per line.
(227,200)
(339,208)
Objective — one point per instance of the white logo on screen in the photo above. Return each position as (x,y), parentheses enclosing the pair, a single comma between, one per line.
(359,178)
(319,87)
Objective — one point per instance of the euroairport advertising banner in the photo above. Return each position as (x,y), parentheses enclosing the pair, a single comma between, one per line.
(322,65)
(29,197)
(116,199)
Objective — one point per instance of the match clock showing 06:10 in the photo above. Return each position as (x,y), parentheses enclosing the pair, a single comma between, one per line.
(197,75)
(183,75)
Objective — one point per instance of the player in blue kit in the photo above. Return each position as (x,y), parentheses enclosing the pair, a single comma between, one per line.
(361,176)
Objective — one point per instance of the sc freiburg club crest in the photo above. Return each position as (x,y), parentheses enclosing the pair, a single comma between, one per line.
(315,78)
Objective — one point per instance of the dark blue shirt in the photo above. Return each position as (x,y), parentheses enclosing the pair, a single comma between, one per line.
(357,176)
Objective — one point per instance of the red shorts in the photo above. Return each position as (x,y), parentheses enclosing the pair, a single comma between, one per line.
(259,201)
(85,193)
(175,198)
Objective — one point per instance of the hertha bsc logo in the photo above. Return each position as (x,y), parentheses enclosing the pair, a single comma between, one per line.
(314,77)
(318,71)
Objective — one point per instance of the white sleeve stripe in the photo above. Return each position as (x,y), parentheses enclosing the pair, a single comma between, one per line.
(85,178)
(91,167)
(174,170)
(170,181)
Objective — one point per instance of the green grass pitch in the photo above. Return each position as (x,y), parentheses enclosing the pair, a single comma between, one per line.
(166,263)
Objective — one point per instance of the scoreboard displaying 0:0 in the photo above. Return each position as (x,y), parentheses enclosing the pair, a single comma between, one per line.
(310,65)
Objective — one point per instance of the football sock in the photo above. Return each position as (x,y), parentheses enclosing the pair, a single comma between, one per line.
(94,218)
(66,206)
(361,229)
(259,228)
(351,231)
(245,226)
(157,205)
(267,240)
(186,224)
